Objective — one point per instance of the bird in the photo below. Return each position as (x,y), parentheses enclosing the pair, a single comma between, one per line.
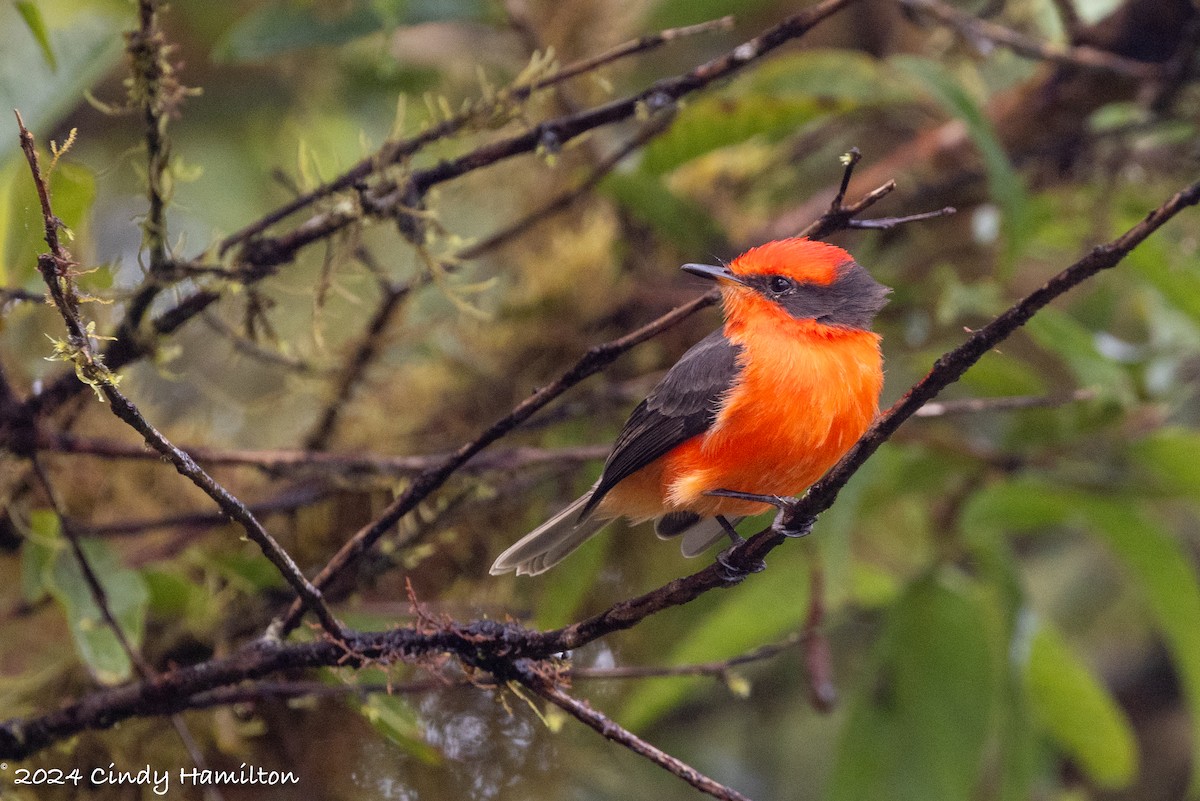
(757,410)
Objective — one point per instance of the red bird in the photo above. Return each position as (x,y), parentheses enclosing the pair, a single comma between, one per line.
(763,406)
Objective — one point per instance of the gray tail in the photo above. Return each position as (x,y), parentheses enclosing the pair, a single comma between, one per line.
(700,537)
(549,543)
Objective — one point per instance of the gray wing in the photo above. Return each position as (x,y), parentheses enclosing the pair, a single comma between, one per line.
(683,405)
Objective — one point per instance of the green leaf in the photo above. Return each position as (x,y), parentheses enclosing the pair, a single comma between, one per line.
(72,190)
(1168,579)
(1176,281)
(715,122)
(1006,187)
(1168,456)
(1078,712)
(1062,335)
(1161,569)
(124,590)
(37,552)
(686,224)
(32,15)
(916,732)
(285,27)
(1021,505)
(87,48)
(392,717)
(772,102)
(853,78)
(672,13)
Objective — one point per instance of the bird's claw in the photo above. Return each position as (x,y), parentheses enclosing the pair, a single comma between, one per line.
(792,531)
(734,574)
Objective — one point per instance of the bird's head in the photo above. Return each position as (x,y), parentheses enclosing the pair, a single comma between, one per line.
(797,279)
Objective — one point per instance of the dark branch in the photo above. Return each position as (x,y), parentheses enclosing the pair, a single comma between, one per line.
(1001,404)
(369,347)
(583,712)
(397,152)
(56,269)
(342,465)
(656,126)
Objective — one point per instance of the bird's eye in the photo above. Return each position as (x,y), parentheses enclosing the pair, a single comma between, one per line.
(779,284)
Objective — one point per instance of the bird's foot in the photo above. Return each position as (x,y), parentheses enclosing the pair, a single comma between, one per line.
(792,530)
(729,572)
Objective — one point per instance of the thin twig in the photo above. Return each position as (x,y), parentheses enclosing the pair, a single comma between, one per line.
(850,160)
(18,295)
(657,125)
(154,89)
(583,712)
(346,465)
(1001,404)
(837,218)
(286,502)
(252,349)
(369,347)
(396,152)
(1068,15)
(887,223)
(100,598)
(56,269)
(1080,56)
(817,658)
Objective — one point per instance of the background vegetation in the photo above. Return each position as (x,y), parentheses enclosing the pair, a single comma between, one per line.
(1004,597)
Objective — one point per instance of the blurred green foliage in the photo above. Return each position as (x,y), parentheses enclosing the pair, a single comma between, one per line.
(1011,597)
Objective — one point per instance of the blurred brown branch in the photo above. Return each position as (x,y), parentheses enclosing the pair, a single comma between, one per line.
(1081,56)
(369,346)
(342,465)
(1001,404)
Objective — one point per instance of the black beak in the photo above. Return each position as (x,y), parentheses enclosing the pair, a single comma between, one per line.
(712,273)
